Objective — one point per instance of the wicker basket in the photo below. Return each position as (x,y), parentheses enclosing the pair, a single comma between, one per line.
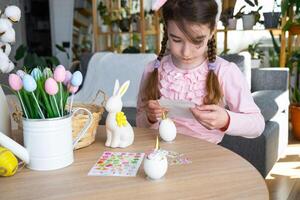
(78,121)
(80,118)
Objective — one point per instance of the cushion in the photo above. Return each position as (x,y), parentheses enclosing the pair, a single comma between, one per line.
(270,102)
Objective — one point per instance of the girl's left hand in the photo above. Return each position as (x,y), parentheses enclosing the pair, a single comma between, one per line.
(211,116)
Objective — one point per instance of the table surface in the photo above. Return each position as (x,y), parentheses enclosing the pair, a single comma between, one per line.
(215,173)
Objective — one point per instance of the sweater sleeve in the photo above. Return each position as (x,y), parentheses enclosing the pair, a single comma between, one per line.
(246,119)
(141,117)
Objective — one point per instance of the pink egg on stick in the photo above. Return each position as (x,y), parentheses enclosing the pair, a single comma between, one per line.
(16,84)
(72,89)
(51,88)
(60,75)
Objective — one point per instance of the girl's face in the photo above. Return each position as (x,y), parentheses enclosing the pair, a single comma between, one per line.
(185,53)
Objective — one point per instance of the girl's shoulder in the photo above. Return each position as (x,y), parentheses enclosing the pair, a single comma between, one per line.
(150,66)
(225,66)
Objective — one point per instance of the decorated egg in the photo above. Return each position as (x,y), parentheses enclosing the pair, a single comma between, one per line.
(36,73)
(167,129)
(51,86)
(47,72)
(72,89)
(21,73)
(8,162)
(76,78)
(15,82)
(29,83)
(59,73)
(68,77)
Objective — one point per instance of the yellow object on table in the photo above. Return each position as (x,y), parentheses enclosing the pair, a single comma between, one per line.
(8,162)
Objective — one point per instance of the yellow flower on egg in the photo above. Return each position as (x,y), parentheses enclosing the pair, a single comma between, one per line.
(121,119)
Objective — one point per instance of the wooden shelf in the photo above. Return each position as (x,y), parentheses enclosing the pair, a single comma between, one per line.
(85,12)
(121,33)
(79,24)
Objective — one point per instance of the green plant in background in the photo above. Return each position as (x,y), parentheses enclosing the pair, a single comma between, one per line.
(31,59)
(294,64)
(255,12)
(286,6)
(102,9)
(273,58)
(255,51)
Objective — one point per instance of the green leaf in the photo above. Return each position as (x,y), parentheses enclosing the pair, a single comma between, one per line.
(284,6)
(61,48)
(250,3)
(20,52)
(288,25)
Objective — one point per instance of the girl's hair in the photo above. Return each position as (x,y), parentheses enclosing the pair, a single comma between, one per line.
(183,12)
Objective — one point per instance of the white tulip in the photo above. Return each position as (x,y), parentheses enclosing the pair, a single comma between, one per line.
(4,62)
(7,48)
(21,73)
(9,36)
(5,25)
(13,13)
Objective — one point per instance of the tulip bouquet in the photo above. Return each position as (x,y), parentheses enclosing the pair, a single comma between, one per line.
(11,14)
(44,94)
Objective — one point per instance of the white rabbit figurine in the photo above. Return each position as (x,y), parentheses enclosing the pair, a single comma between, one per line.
(119,131)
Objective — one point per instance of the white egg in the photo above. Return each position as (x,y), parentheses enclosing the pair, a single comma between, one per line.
(167,130)
(155,168)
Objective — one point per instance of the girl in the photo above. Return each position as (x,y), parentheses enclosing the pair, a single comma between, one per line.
(193,72)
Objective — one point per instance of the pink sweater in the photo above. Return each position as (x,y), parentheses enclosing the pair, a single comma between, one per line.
(177,84)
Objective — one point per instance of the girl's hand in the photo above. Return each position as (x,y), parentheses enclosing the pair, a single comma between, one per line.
(211,116)
(154,111)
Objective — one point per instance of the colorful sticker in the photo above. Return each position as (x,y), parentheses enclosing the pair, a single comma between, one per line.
(117,164)
(175,158)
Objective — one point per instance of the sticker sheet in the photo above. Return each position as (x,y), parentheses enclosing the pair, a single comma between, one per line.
(117,164)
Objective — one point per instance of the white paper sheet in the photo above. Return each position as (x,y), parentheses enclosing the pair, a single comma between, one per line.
(177,108)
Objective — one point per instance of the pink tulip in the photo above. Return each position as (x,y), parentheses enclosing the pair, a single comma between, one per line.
(59,73)
(51,86)
(67,78)
(72,89)
(15,82)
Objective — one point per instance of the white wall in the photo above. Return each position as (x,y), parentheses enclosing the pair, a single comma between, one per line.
(61,20)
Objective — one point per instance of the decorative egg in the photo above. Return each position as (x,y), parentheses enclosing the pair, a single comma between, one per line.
(15,82)
(156,165)
(13,13)
(29,83)
(59,73)
(167,129)
(68,77)
(8,162)
(72,89)
(51,86)
(36,73)
(47,72)
(77,78)
(21,73)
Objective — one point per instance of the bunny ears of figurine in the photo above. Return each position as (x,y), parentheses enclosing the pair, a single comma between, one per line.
(157,4)
(120,91)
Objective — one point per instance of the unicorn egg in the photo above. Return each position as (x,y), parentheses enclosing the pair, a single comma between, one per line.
(167,130)
(59,73)
(76,78)
(51,86)
(15,82)
(29,83)
(156,165)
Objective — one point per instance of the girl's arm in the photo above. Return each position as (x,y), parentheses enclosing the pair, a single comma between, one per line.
(245,117)
(141,117)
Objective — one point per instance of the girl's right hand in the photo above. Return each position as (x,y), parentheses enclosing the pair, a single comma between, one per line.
(154,111)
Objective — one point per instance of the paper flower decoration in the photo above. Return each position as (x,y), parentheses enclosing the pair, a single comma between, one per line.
(59,73)
(36,73)
(67,78)
(121,119)
(29,83)
(47,72)
(15,82)
(76,78)
(72,89)
(21,73)
(51,86)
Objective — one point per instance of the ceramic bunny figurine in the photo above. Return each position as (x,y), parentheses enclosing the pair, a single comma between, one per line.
(119,131)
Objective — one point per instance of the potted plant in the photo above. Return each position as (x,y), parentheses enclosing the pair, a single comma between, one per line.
(271,19)
(106,21)
(251,18)
(293,23)
(256,53)
(229,19)
(294,65)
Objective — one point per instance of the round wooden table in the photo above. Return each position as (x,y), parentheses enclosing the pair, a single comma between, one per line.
(215,173)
